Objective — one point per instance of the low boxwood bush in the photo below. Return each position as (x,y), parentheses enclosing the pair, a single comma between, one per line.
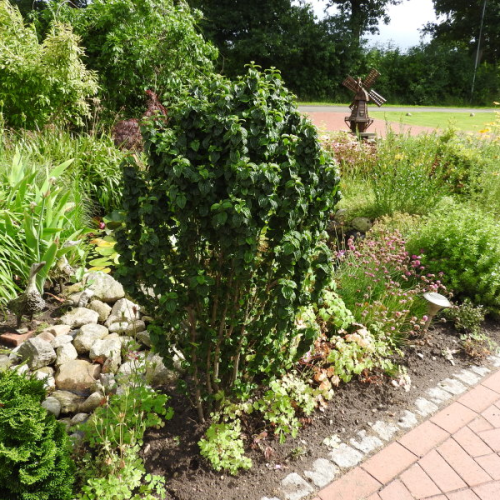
(35,459)
(223,236)
(464,243)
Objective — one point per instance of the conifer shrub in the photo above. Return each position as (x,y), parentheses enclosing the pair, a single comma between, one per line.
(223,238)
(35,459)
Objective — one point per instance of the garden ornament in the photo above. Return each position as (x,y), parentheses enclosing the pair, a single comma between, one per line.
(359,121)
(30,301)
(436,302)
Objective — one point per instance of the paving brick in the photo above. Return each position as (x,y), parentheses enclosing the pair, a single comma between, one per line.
(15,339)
(471,443)
(479,398)
(489,491)
(419,483)
(423,438)
(375,496)
(493,382)
(295,487)
(385,429)
(345,456)
(491,438)
(480,424)
(494,360)
(355,484)
(492,415)
(453,417)
(462,463)
(395,491)
(467,377)
(389,462)
(462,495)
(480,370)
(323,472)
(441,473)
(407,420)
(438,395)
(452,386)
(491,464)
(425,407)
(366,443)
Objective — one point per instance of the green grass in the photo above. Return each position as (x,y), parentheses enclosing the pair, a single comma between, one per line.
(460,121)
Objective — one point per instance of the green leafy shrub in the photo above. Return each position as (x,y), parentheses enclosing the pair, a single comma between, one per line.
(35,459)
(464,243)
(225,227)
(466,317)
(136,45)
(41,83)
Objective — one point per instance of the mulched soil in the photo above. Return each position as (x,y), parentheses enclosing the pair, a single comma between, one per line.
(172,451)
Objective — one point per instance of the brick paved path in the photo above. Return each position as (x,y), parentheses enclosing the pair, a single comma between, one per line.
(455,455)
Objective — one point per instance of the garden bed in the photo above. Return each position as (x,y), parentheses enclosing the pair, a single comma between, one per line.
(173,451)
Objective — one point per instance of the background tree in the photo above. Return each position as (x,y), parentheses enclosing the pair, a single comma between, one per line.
(462,23)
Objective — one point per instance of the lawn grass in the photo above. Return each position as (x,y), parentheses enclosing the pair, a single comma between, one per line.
(460,121)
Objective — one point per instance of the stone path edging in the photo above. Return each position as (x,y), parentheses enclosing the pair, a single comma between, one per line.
(362,469)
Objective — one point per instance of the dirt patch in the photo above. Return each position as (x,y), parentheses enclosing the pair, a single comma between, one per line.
(172,451)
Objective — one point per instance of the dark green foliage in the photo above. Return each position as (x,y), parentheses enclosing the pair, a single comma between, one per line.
(34,447)
(225,225)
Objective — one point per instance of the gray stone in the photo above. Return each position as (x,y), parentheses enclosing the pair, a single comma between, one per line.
(91,403)
(61,340)
(366,443)
(79,418)
(133,366)
(425,407)
(267,498)
(438,395)
(385,429)
(345,456)
(48,337)
(69,401)
(58,330)
(144,338)
(52,405)
(108,352)
(407,420)
(104,286)
(156,372)
(101,308)
(88,335)
(20,369)
(467,377)
(38,352)
(5,362)
(323,472)
(452,386)
(123,310)
(295,487)
(480,370)
(65,353)
(108,381)
(85,298)
(78,376)
(79,316)
(127,327)
(361,224)
(47,375)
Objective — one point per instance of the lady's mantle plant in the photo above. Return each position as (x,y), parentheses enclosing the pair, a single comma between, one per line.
(223,235)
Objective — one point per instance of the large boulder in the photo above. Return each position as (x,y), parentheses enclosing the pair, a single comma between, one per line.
(101,308)
(52,405)
(68,401)
(126,327)
(123,310)
(61,340)
(37,352)
(79,316)
(88,335)
(65,353)
(77,376)
(108,353)
(104,286)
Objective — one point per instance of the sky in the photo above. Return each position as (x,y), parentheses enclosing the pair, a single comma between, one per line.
(406,19)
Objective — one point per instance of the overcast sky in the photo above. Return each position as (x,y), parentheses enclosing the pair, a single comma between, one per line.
(406,19)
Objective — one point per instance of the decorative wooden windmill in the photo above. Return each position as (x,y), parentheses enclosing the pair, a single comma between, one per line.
(359,120)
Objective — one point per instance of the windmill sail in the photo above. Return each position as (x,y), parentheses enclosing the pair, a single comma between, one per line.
(376,98)
(351,84)
(370,79)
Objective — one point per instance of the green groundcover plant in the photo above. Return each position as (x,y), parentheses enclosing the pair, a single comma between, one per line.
(223,232)
(35,459)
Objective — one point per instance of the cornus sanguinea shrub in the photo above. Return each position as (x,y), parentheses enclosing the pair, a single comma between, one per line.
(223,235)
(380,282)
